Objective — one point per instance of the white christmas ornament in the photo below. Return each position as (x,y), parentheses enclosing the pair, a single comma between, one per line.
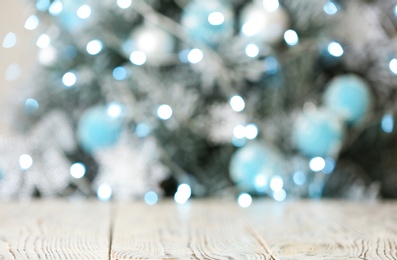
(154,42)
(264,21)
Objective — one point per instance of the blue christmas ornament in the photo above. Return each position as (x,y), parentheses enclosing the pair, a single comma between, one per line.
(208,21)
(253,165)
(349,97)
(319,133)
(99,127)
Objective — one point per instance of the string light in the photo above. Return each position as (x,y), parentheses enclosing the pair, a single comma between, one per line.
(244,200)
(94,47)
(251,131)
(330,8)
(216,18)
(299,178)
(335,49)
(393,66)
(31,106)
(138,58)
(32,22)
(239,131)
(164,112)
(13,72)
(9,40)
(276,183)
(43,41)
(104,192)
(25,161)
(271,5)
(251,50)
(237,103)
(317,164)
(114,110)
(119,73)
(183,194)
(84,12)
(77,170)
(151,198)
(280,195)
(291,37)
(195,56)
(69,79)
(142,130)
(55,8)
(387,123)
(124,4)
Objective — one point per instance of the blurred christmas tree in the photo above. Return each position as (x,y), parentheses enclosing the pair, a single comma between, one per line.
(133,98)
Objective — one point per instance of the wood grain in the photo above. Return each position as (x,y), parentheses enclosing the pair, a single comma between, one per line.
(201,230)
(206,229)
(54,230)
(327,229)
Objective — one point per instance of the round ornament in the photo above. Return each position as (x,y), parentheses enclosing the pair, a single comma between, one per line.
(208,21)
(99,127)
(349,97)
(252,166)
(264,21)
(153,41)
(318,133)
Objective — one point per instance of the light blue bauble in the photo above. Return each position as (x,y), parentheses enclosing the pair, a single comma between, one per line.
(208,21)
(319,133)
(98,129)
(252,166)
(349,97)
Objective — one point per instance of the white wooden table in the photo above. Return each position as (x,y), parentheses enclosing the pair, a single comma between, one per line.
(203,229)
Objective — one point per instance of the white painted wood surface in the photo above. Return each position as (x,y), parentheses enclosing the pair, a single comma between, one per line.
(203,229)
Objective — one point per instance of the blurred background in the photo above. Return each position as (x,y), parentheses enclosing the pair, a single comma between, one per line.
(13,15)
(145,99)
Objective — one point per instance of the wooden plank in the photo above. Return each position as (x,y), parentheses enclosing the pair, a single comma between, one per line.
(327,229)
(54,230)
(201,230)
